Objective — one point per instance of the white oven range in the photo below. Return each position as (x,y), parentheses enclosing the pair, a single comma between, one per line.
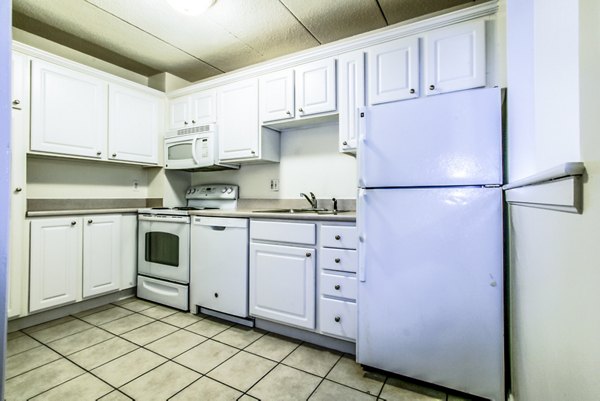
(164,244)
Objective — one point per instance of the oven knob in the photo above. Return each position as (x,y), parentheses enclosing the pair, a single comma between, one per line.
(229,190)
(189,191)
(193,190)
(224,189)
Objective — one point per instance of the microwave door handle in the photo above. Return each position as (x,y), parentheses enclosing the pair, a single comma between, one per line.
(194,151)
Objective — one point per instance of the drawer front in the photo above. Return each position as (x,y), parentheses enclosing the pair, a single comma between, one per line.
(339,237)
(338,259)
(163,292)
(337,285)
(297,233)
(338,318)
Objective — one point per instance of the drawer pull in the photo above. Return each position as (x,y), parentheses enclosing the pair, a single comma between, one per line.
(308,254)
(337,319)
(216,295)
(338,237)
(337,287)
(337,260)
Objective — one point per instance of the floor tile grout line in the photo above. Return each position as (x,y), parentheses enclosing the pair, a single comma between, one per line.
(66,381)
(325,376)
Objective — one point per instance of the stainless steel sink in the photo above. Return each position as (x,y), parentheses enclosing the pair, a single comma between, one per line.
(289,211)
(317,211)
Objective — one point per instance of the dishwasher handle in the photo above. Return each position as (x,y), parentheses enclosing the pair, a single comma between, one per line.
(218,228)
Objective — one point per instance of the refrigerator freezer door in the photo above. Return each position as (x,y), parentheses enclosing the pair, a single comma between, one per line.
(431,303)
(446,140)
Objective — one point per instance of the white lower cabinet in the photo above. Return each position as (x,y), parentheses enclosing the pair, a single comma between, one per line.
(337,280)
(282,279)
(55,266)
(76,257)
(101,254)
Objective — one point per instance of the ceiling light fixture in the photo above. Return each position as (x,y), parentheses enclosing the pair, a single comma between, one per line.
(191,7)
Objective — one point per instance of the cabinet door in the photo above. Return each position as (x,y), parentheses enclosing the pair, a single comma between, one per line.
(277,96)
(179,112)
(68,111)
(282,284)
(315,87)
(128,251)
(55,265)
(204,108)
(455,58)
(393,71)
(351,89)
(134,125)
(18,200)
(238,120)
(101,254)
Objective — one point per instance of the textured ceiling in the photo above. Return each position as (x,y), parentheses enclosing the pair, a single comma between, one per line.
(149,37)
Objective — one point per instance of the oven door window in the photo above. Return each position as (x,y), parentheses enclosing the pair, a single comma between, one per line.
(162,248)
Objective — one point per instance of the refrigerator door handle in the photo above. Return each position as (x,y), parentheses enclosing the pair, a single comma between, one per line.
(360,225)
(362,141)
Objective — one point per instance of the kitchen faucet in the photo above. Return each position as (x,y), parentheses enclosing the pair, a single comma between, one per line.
(312,200)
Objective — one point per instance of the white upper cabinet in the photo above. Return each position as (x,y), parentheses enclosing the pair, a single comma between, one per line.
(101,254)
(196,109)
(455,58)
(393,70)
(297,93)
(277,96)
(55,265)
(135,124)
(241,138)
(351,89)
(315,87)
(238,120)
(68,111)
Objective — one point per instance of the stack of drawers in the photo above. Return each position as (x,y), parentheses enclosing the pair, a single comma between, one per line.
(337,280)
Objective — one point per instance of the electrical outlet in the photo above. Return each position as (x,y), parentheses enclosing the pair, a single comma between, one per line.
(274,184)
(136,185)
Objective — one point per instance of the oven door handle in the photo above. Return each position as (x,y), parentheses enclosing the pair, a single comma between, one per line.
(194,141)
(164,219)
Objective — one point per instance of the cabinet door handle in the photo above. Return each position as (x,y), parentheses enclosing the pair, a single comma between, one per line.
(337,319)
(289,113)
(98,153)
(412,91)
(90,221)
(301,110)
(431,87)
(337,287)
(185,123)
(216,295)
(338,237)
(337,260)
(73,223)
(16,102)
(345,143)
(114,155)
(193,121)
(18,189)
(308,254)
(252,152)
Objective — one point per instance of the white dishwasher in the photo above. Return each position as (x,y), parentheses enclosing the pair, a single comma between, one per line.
(219,265)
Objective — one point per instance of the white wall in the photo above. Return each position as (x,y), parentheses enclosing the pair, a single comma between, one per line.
(553,64)
(310,161)
(58,178)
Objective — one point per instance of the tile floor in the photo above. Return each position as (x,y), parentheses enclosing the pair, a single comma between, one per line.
(135,349)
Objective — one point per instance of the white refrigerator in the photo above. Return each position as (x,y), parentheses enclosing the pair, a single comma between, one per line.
(430,293)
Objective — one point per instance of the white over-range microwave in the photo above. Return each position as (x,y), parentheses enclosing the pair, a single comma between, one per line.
(194,149)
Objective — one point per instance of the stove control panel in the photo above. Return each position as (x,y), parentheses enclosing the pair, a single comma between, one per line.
(213,191)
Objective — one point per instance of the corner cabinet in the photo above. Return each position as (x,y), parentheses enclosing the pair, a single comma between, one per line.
(68,111)
(455,58)
(241,138)
(351,90)
(134,125)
